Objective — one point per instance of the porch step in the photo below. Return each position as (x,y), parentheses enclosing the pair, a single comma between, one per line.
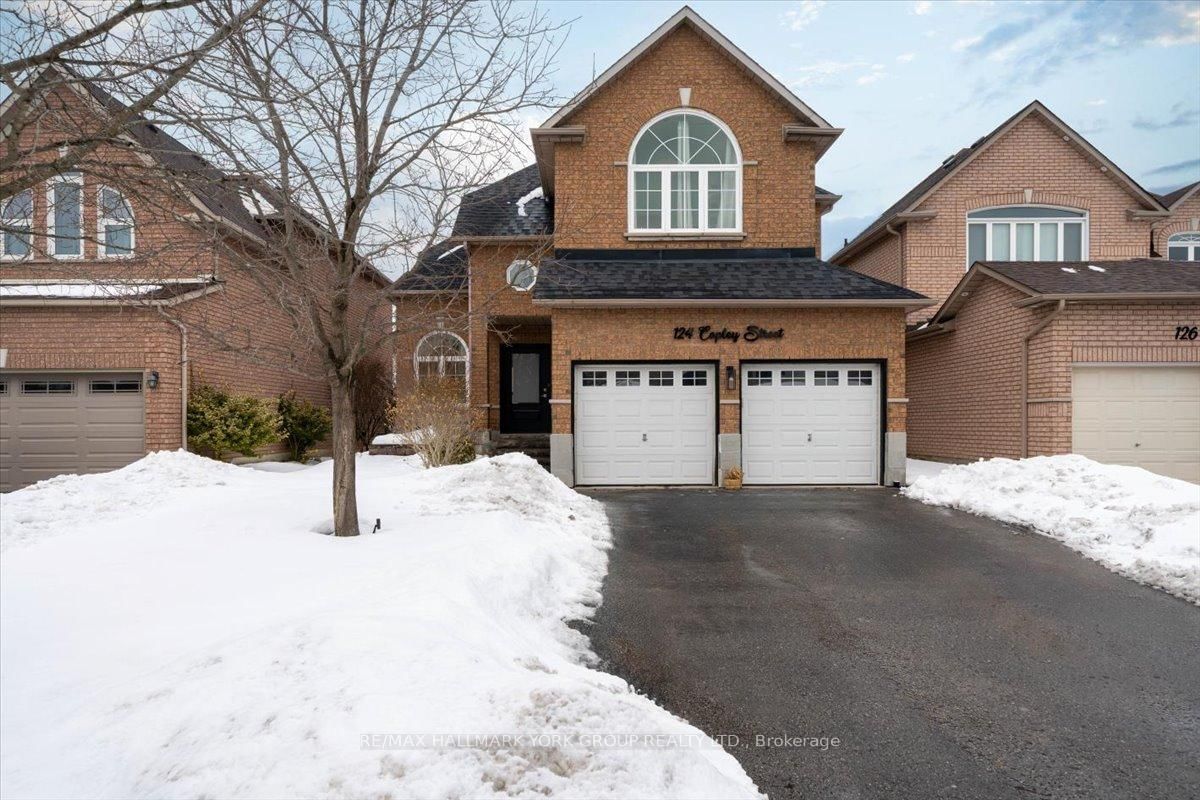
(534,445)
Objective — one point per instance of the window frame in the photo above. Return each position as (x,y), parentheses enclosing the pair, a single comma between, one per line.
(4,254)
(51,236)
(1084,219)
(665,192)
(418,359)
(1193,247)
(101,221)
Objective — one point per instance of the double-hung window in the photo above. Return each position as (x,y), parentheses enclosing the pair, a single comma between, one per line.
(685,176)
(16,225)
(1026,233)
(64,215)
(115,234)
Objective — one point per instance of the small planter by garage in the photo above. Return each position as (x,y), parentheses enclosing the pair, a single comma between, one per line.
(733,479)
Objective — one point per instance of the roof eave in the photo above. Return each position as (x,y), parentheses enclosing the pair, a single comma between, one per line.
(1054,297)
(676,302)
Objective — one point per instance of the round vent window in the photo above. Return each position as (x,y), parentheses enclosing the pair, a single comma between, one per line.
(521,275)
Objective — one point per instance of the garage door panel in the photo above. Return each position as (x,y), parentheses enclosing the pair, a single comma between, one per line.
(661,434)
(804,433)
(1145,416)
(43,435)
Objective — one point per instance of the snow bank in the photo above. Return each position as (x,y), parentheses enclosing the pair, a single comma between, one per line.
(175,629)
(1138,524)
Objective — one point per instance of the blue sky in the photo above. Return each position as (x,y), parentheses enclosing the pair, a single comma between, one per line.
(911,82)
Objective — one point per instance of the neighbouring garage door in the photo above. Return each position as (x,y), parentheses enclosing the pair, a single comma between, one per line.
(810,423)
(1141,416)
(645,424)
(55,423)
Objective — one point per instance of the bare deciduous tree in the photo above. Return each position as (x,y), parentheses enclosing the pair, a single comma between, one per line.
(352,128)
(65,43)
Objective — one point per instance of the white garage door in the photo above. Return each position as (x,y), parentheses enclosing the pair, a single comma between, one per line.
(54,423)
(810,423)
(1141,416)
(645,424)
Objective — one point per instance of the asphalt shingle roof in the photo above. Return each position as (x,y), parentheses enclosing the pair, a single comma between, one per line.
(441,268)
(1133,276)
(705,275)
(497,210)
(1171,198)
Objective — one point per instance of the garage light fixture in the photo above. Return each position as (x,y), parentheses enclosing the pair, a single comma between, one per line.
(152,380)
(730,379)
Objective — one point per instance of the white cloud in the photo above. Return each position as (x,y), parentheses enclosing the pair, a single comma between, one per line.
(825,73)
(964,43)
(904,58)
(803,15)
(923,7)
(1188,33)
(1100,101)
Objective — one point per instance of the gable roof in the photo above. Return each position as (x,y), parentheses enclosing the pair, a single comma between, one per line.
(909,202)
(555,129)
(1046,281)
(512,207)
(686,16)
(1173,199)
(441,269)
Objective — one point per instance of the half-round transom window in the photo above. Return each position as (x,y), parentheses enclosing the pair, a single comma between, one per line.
(685,175)
(441,355)
(1026,233)
(1184,246)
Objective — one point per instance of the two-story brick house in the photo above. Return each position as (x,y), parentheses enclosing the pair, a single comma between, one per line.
(114,303)
(647,297)
(1066,309)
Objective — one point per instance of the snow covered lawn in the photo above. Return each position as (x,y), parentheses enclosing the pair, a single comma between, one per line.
(1141,525)
(177,629)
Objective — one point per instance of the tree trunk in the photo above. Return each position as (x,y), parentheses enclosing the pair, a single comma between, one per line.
(345,499)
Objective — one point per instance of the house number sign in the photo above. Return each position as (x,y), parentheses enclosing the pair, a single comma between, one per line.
(709,333)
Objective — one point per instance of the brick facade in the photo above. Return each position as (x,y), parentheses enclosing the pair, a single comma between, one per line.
(779,209)
(1031,156)
(238,338)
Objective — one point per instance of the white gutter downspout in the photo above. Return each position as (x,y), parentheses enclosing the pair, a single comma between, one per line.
(1062,304)
(899,241)
(183,382)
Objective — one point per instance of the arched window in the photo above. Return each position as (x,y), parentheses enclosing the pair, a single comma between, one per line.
(16,225)
(1026,233)
(115,224)
(441,354)
(1184,246)
(685,175)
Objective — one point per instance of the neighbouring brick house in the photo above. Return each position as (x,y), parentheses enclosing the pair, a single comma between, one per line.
(645,302)
(1068,301)
(112,305)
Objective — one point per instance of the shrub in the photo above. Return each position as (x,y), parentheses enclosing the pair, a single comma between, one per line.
(219,422)
(437,422)
(302,424)
(374,398)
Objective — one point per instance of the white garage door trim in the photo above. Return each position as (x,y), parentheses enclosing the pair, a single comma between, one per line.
(69,422)
(633,428)
(1142,415)
(812,422)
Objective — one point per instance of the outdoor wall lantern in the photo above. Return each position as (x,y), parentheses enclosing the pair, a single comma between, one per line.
(730,379)
(152,380)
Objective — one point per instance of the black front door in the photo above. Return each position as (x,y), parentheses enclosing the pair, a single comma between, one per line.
(525,388)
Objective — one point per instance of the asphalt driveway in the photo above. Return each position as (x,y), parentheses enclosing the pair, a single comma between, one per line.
(950,655)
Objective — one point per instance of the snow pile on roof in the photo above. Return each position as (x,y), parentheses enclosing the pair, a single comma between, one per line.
(526,198)
(1138,524)
(197,639)
(80,291)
